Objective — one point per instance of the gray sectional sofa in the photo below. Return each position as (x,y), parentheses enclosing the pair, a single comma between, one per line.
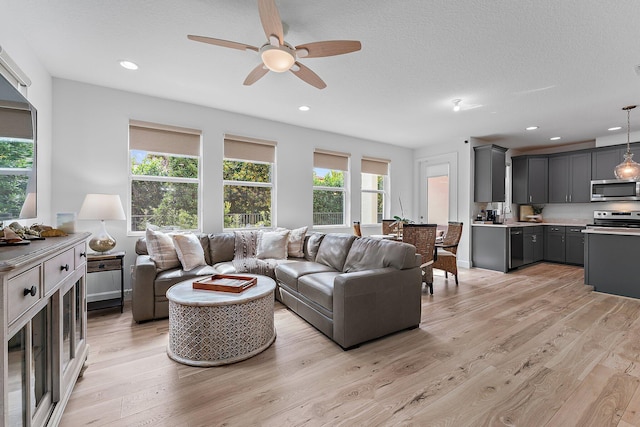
(351,289)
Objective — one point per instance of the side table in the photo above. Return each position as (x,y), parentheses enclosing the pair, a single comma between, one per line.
(113,261)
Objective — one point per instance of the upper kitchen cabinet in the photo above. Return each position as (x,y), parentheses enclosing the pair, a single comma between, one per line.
(530,179)
(489,173)
(604,160)
(569,178)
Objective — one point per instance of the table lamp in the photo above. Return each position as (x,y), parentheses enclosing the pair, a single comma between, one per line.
(102,207)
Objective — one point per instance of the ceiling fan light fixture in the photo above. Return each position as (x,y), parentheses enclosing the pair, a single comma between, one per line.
(277,58)
(456,105)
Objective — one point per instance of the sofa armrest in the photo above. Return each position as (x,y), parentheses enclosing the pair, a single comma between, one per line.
(143,275)
(372,303)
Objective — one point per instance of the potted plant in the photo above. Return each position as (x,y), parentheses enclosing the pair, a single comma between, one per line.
(537,213)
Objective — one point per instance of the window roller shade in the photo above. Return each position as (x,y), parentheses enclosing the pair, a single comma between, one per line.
(164,139)
(333,161)
(374,166)
(249,150)
(16,123)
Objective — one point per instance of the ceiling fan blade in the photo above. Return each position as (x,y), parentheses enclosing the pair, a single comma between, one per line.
(305,74)
(328,48)
(256,74)
(270,18)
(223,43)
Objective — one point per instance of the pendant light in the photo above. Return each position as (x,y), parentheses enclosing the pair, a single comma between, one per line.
(628,169)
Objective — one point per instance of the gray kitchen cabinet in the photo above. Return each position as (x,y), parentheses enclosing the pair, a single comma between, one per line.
(554,243)
(569,178)
(604,160)
(533,244)
(489,173)
(574,245)
(611,263)
(490,247)
(530,174)
(559,179)
(564,244)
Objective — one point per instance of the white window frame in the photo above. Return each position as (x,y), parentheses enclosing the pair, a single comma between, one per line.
(148,178)
(270,185)
(251,150)
(346,206)
(376,167)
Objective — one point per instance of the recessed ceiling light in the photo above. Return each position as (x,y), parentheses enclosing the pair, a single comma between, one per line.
(304,108)
(129,65)
(615,128)
(532,128)
(555,138)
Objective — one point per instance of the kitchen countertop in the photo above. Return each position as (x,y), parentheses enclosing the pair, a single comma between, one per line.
(580,223)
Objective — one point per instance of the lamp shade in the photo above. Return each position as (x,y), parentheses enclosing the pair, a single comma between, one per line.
(29,207)
(102,207)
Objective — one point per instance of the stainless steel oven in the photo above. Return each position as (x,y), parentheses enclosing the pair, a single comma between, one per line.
(627,219)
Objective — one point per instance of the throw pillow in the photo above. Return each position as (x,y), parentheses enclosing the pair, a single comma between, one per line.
(312,245)
(161,250)
(272,244)
(189,250)
(295,247)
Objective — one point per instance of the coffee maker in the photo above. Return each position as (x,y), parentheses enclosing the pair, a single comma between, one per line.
(491,215)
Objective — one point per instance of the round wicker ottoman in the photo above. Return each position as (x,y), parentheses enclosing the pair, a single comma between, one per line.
(208,328)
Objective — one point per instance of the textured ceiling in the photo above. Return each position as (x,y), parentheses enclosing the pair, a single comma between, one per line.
(564,65)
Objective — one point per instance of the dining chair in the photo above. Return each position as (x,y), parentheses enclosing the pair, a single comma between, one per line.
(386,226)
(423,237)
(446,258)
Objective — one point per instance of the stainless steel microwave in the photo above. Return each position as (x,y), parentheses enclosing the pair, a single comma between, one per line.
(605,190)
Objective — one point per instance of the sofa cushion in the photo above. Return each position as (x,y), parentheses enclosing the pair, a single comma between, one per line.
(161,250)
(311,246)
(289,273)
(225,267)
(334,249)
(318,287)
(189,250)
(166,279)
(367,253)
(272,244)
(221,247)
(141,246)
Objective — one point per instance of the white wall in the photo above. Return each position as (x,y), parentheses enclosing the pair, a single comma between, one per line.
(91,143)
(618,138)
(39,94)
(462,181)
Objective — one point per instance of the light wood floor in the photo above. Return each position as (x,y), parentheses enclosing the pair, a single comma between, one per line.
(530,348)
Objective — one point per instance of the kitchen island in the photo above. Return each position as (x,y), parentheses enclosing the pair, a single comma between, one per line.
(611,257)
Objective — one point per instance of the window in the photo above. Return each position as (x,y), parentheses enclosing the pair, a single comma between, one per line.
(375,174)
(248,177)
(164,176)
(330,181)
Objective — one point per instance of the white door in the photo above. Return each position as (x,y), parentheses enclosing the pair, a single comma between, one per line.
(438,189)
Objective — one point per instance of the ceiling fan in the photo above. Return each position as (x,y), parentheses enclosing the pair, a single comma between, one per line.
(278,55)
